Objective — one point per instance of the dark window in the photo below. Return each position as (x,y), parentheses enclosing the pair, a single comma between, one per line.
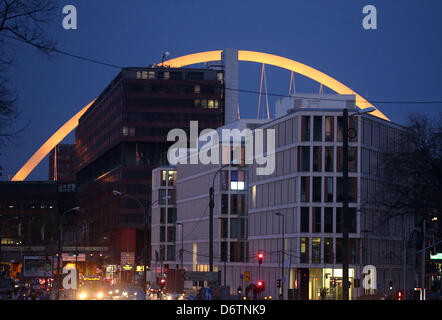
(224,228)
(305,128)
(305,189)
(329,159)
(352,189)
(317,127)
(328,185)
(223,251)
(237,229)
(224,203)
(328,250)
(317,159)
(171,215)
(304,158)
(316,220)
(328,220)
(339,250)
(338,220)
(316,189)
(305,219)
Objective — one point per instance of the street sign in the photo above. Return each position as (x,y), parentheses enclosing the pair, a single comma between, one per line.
(283,279)
(200,276)
(241,276)
(437,256)
(247,276)
(127,258)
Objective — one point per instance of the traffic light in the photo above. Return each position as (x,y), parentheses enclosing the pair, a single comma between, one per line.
(238,291)
(260,285)
(162,282)
(260,257)
(278,283)
(333,282)
(400,295)
(391,284)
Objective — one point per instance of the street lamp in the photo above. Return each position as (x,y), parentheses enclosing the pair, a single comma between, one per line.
(182,242)
(211,206)
(120,194)
(345,222)
(281,215)
(60,229)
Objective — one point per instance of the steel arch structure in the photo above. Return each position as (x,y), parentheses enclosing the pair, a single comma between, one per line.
(201,57)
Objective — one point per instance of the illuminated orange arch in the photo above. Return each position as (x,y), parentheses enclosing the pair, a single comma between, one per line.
(201,57)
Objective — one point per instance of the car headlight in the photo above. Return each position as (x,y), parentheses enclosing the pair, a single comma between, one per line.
(135,293)
(110,292)
(116,291)
(124,293)
(83,295)
(100,295)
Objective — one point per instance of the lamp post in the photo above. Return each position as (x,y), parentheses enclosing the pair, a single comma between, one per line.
(60,229)
(182,244)
(146,216)
(281,215)
(211,206)
(345,222)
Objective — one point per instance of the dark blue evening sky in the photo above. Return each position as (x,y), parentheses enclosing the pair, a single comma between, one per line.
(401,60)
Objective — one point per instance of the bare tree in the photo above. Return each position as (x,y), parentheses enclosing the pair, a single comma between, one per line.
(411,170)
(20,21)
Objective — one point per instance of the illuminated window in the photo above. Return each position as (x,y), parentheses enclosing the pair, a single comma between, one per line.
(197,88)
(210,104)
(163,177)
(171,178)
(144,75)
(166,75)
(316,250)
(237,181)
(151,74)
(304,250)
